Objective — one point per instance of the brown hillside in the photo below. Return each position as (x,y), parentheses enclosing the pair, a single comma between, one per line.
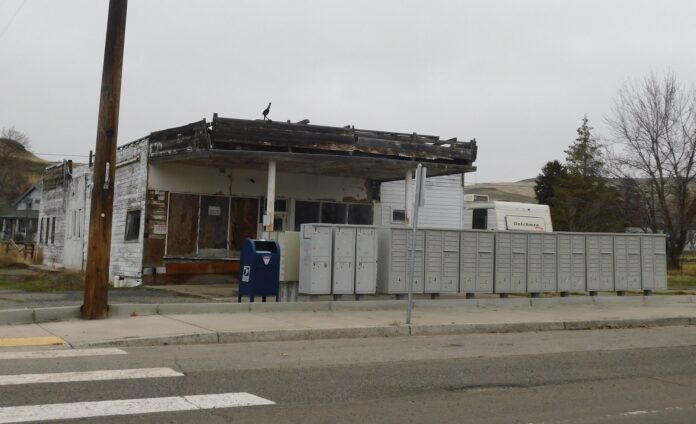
(522,191)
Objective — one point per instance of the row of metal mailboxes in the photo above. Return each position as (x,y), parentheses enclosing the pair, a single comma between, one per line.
(358,259)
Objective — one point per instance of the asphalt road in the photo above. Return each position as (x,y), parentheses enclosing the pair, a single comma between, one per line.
(601,376)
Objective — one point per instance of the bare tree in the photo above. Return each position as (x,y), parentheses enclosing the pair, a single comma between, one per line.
(654,126)
(13,147)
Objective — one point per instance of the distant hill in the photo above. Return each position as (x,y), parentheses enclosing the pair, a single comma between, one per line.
(521,191)
(31,167)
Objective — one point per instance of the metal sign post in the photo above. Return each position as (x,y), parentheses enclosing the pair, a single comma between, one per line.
(418,201)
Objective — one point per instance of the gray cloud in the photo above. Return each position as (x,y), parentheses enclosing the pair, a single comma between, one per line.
(517,75)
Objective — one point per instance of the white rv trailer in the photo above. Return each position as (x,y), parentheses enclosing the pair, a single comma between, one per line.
(507,216)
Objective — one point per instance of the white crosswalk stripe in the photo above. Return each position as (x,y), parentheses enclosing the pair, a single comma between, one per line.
(106,408)
(61,353)
(66,377)
(64,411)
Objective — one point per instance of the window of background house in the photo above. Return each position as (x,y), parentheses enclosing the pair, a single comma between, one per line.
(41,227)
(398,216)
(53,230)
(480,219)
(132,225)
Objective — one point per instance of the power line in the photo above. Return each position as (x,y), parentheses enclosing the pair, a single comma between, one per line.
(12,18)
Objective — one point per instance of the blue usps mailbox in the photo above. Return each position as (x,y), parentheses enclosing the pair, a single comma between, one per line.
(259,269)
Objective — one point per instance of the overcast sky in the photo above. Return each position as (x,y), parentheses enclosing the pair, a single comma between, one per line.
(516,75)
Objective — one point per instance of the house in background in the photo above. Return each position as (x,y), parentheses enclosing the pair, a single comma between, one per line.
(186,198)
(18,221)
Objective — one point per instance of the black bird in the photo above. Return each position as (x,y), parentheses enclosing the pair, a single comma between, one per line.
(265,111)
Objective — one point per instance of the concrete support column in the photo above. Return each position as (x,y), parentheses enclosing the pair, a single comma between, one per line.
(408,199)
(270,195)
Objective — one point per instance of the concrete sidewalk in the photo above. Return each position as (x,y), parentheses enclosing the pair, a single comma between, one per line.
(144,325)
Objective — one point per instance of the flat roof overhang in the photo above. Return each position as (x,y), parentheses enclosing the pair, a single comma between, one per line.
(350,165)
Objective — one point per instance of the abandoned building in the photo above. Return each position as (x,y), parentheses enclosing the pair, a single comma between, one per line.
(18,220)
(187,197)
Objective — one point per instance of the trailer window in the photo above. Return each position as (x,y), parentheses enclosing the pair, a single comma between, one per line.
(480,219)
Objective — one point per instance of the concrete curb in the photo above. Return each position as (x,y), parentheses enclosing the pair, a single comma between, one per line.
(182,339)
(201,308)
(385,331)
(16,316)
(125,310)
(627,323)
(58,313)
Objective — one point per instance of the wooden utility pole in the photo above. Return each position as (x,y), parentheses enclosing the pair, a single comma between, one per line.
(99,246)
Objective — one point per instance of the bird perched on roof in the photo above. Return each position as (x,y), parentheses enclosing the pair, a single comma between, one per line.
(266,111)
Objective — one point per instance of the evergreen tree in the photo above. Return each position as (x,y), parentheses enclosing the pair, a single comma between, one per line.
(579,197)
(551,176)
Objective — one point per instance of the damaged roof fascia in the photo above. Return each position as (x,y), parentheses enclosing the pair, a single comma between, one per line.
(314,149)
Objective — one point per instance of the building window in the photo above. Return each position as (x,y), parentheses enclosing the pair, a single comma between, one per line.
(132,226)
(306,213)
(332,213)
(360,214)
(53,230)
(480,219)
(398,216)
(41,226)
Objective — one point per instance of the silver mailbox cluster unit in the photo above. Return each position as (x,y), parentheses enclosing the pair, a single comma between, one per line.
(530,262)
(481,261)
(437,261)
(338,259)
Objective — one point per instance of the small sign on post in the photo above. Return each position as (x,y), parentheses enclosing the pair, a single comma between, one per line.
(418,201)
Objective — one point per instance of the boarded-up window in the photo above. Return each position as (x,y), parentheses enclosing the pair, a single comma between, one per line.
(243,223)
(214,218)
(182,230)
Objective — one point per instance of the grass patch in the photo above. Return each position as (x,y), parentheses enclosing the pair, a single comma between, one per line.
(686,277)
(45,282)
